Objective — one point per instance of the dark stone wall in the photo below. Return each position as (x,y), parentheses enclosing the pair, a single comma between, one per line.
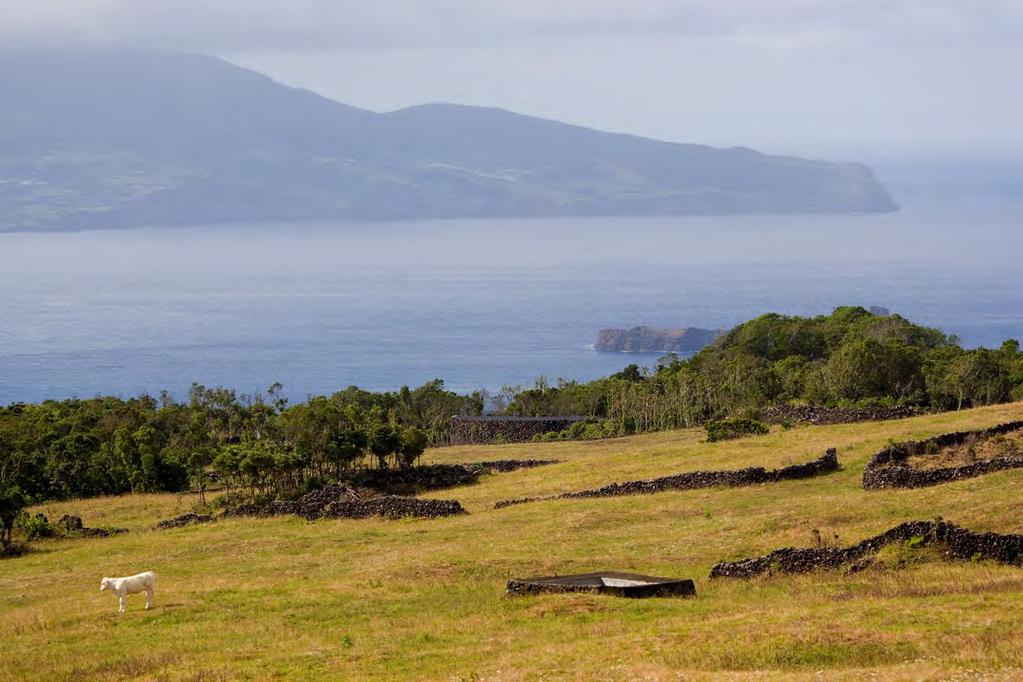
(482,430)
(958,543)
(811,414)
(338,501)
(693,480)
(438,476)
(888,468)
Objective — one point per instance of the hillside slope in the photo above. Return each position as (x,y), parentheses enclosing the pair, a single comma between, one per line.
(107,138)
(378,599)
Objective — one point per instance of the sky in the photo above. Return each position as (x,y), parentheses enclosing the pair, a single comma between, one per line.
(853,78)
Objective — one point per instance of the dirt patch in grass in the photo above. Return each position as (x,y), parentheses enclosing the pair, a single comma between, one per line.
(949,457)
(578,606)
(974,449)
(127,668)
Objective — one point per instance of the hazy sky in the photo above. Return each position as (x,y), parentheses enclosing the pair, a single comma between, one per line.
(854,77)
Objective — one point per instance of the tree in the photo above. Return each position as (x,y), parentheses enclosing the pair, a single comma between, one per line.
(413,443)
(198,460)
(874,369)
(12,502)
(979,378)
(631,372)
(147,441)
(384,441)
(346,449)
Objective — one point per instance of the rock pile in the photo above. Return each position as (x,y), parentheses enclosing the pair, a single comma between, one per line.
(183,520)
(71,523)
(693,480)
(392,506)
(889,468)
(812,414)
(74,527)
(957,543)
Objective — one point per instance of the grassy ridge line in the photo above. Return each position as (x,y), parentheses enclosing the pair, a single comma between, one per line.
(379,599)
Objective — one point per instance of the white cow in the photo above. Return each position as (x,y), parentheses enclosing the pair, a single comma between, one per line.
(122,587)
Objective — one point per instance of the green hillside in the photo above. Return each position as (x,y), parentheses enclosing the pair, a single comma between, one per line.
(106,138)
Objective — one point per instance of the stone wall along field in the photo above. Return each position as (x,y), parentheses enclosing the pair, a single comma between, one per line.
(812,414)
(956,543)
(339,501)
(693,480)
(438,476)
(484,430)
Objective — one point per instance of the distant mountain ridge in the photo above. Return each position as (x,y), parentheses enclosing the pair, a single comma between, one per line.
(94,138)
(655,340)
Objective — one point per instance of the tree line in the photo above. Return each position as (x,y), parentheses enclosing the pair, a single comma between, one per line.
(80,448)
(106,445)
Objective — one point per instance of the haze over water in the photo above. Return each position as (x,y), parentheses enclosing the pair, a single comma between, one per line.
(480,304)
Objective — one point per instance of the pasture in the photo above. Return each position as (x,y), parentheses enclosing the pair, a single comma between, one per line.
(283,598)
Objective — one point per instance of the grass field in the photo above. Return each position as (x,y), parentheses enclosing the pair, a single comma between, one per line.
(424,599)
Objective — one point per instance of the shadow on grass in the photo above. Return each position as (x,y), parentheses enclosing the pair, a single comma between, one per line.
(19,549)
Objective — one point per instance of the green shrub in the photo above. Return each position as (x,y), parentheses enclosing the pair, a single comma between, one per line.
(35,526)
(730,429)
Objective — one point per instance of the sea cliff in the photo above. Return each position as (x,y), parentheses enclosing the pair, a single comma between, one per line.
(655,340)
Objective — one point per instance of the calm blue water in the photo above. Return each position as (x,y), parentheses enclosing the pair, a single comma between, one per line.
(481,304)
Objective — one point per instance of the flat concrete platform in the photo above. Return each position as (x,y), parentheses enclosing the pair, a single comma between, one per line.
(605,582)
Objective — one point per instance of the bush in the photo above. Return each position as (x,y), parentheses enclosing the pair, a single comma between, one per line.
(35,526)
(730,429)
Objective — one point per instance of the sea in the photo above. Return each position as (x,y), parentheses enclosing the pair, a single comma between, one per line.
(480,304)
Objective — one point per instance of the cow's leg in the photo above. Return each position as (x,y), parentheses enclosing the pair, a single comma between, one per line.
(124,604)
(149,598)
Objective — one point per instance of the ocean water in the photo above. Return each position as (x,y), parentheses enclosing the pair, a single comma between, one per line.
(480,304)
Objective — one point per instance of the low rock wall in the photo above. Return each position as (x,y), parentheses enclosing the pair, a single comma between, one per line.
(335,501)
(957,543)
(811,414)
(483,430)
(438,476)
(693,480)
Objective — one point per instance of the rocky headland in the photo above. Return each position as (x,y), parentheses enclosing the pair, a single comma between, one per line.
(655,339)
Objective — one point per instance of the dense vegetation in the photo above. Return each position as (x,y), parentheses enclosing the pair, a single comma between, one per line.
(78,448)
(848,358)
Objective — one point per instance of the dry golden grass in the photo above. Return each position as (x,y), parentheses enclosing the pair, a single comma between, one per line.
(973,450)
(424,599)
